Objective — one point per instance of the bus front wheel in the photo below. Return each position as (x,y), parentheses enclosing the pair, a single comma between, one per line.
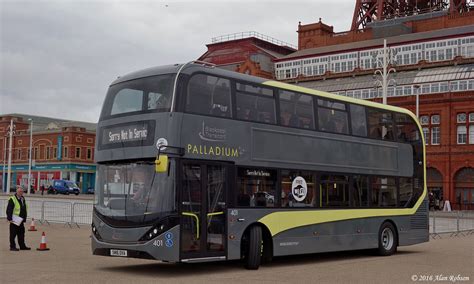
(254,248)
(388,239)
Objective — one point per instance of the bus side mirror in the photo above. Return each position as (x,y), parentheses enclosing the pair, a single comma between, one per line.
(161,164)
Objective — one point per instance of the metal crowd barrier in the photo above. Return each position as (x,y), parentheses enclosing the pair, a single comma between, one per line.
(58,212)
(35,210)
(3,208)
(68,213)
(82,213)
(455,223)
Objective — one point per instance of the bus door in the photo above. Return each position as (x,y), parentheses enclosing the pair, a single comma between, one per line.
(203,202)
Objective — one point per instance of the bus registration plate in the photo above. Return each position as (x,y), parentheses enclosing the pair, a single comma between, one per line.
(118,252)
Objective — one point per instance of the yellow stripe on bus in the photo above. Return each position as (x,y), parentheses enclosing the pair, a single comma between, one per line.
(335,97)
(278,222)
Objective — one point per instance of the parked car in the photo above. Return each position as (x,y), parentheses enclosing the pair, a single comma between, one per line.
(64,187)
(51,190)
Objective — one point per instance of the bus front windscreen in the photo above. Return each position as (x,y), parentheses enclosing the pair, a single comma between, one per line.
(71,185)
(149,94)
(133,193)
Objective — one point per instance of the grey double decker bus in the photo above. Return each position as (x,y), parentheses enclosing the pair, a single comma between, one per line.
(196,163)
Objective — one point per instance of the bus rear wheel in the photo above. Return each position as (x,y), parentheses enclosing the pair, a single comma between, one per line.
(388,239)
(254,248)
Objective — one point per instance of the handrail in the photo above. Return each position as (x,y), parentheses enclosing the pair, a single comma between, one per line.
(197,221)
(173,98)
(212,215)
(215,213)
(195,216)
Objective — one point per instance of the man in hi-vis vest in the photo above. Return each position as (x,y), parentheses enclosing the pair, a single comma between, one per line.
(16,215)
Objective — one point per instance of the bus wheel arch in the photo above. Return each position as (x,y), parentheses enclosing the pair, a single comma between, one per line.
(387,238)
(266,247)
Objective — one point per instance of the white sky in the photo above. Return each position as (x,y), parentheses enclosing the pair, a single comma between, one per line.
(57,58)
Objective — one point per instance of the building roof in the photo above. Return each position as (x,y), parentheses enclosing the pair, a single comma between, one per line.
(252,34)
(401,78)
(270,52)
(234,48)
(373,43)
(45,124)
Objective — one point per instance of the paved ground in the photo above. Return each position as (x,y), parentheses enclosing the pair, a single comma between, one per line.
(70,261)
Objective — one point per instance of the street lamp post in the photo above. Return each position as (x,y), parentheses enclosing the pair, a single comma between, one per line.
(417,96)
(29,160)
(4,160)
(11,130)
(387,56)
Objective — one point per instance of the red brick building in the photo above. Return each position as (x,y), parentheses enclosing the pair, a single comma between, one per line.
(61,149)
(247,52)
(433,54)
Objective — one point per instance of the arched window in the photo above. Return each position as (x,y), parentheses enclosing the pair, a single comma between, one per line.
(464,188)
(435,187)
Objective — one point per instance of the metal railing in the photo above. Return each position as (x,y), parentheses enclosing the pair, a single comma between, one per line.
(72,213)
(453,223)
(248,34)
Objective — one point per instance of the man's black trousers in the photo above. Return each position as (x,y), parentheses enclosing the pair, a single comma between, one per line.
(17,231)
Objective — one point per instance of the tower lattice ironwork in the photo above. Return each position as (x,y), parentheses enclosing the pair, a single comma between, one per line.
(367,11)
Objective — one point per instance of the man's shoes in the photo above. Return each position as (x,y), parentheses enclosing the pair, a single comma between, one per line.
(14,249)
(25,248)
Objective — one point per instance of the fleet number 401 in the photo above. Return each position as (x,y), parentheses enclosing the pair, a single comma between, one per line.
(158,243)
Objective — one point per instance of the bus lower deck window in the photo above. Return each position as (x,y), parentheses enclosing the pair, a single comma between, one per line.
(256,188)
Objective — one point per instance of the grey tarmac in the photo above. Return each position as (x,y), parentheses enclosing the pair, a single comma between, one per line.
(70,261)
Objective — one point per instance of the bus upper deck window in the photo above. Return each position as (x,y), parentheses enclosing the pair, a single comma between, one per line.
(157,101)
(127,100)
(142,94)
(331,120)
(332,117)
(221,102)
(255,104)
(406,129)
(358,120)
(209,95)
(380,124)
(296,110)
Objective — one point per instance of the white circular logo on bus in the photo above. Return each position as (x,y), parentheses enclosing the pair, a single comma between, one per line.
(161,144)
(299,189)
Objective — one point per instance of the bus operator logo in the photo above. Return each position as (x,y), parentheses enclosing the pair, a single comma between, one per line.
(212,134)
(299,189)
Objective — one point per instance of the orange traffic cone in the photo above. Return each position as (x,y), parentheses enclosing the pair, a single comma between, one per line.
(32,225)
(43,243)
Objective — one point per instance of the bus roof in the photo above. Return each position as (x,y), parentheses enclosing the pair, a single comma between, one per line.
(195,67)
(152,71)
(189,69)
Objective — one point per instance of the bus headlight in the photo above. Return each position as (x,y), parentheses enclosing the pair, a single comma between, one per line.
(95,232)
(153,232)
(160,227)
